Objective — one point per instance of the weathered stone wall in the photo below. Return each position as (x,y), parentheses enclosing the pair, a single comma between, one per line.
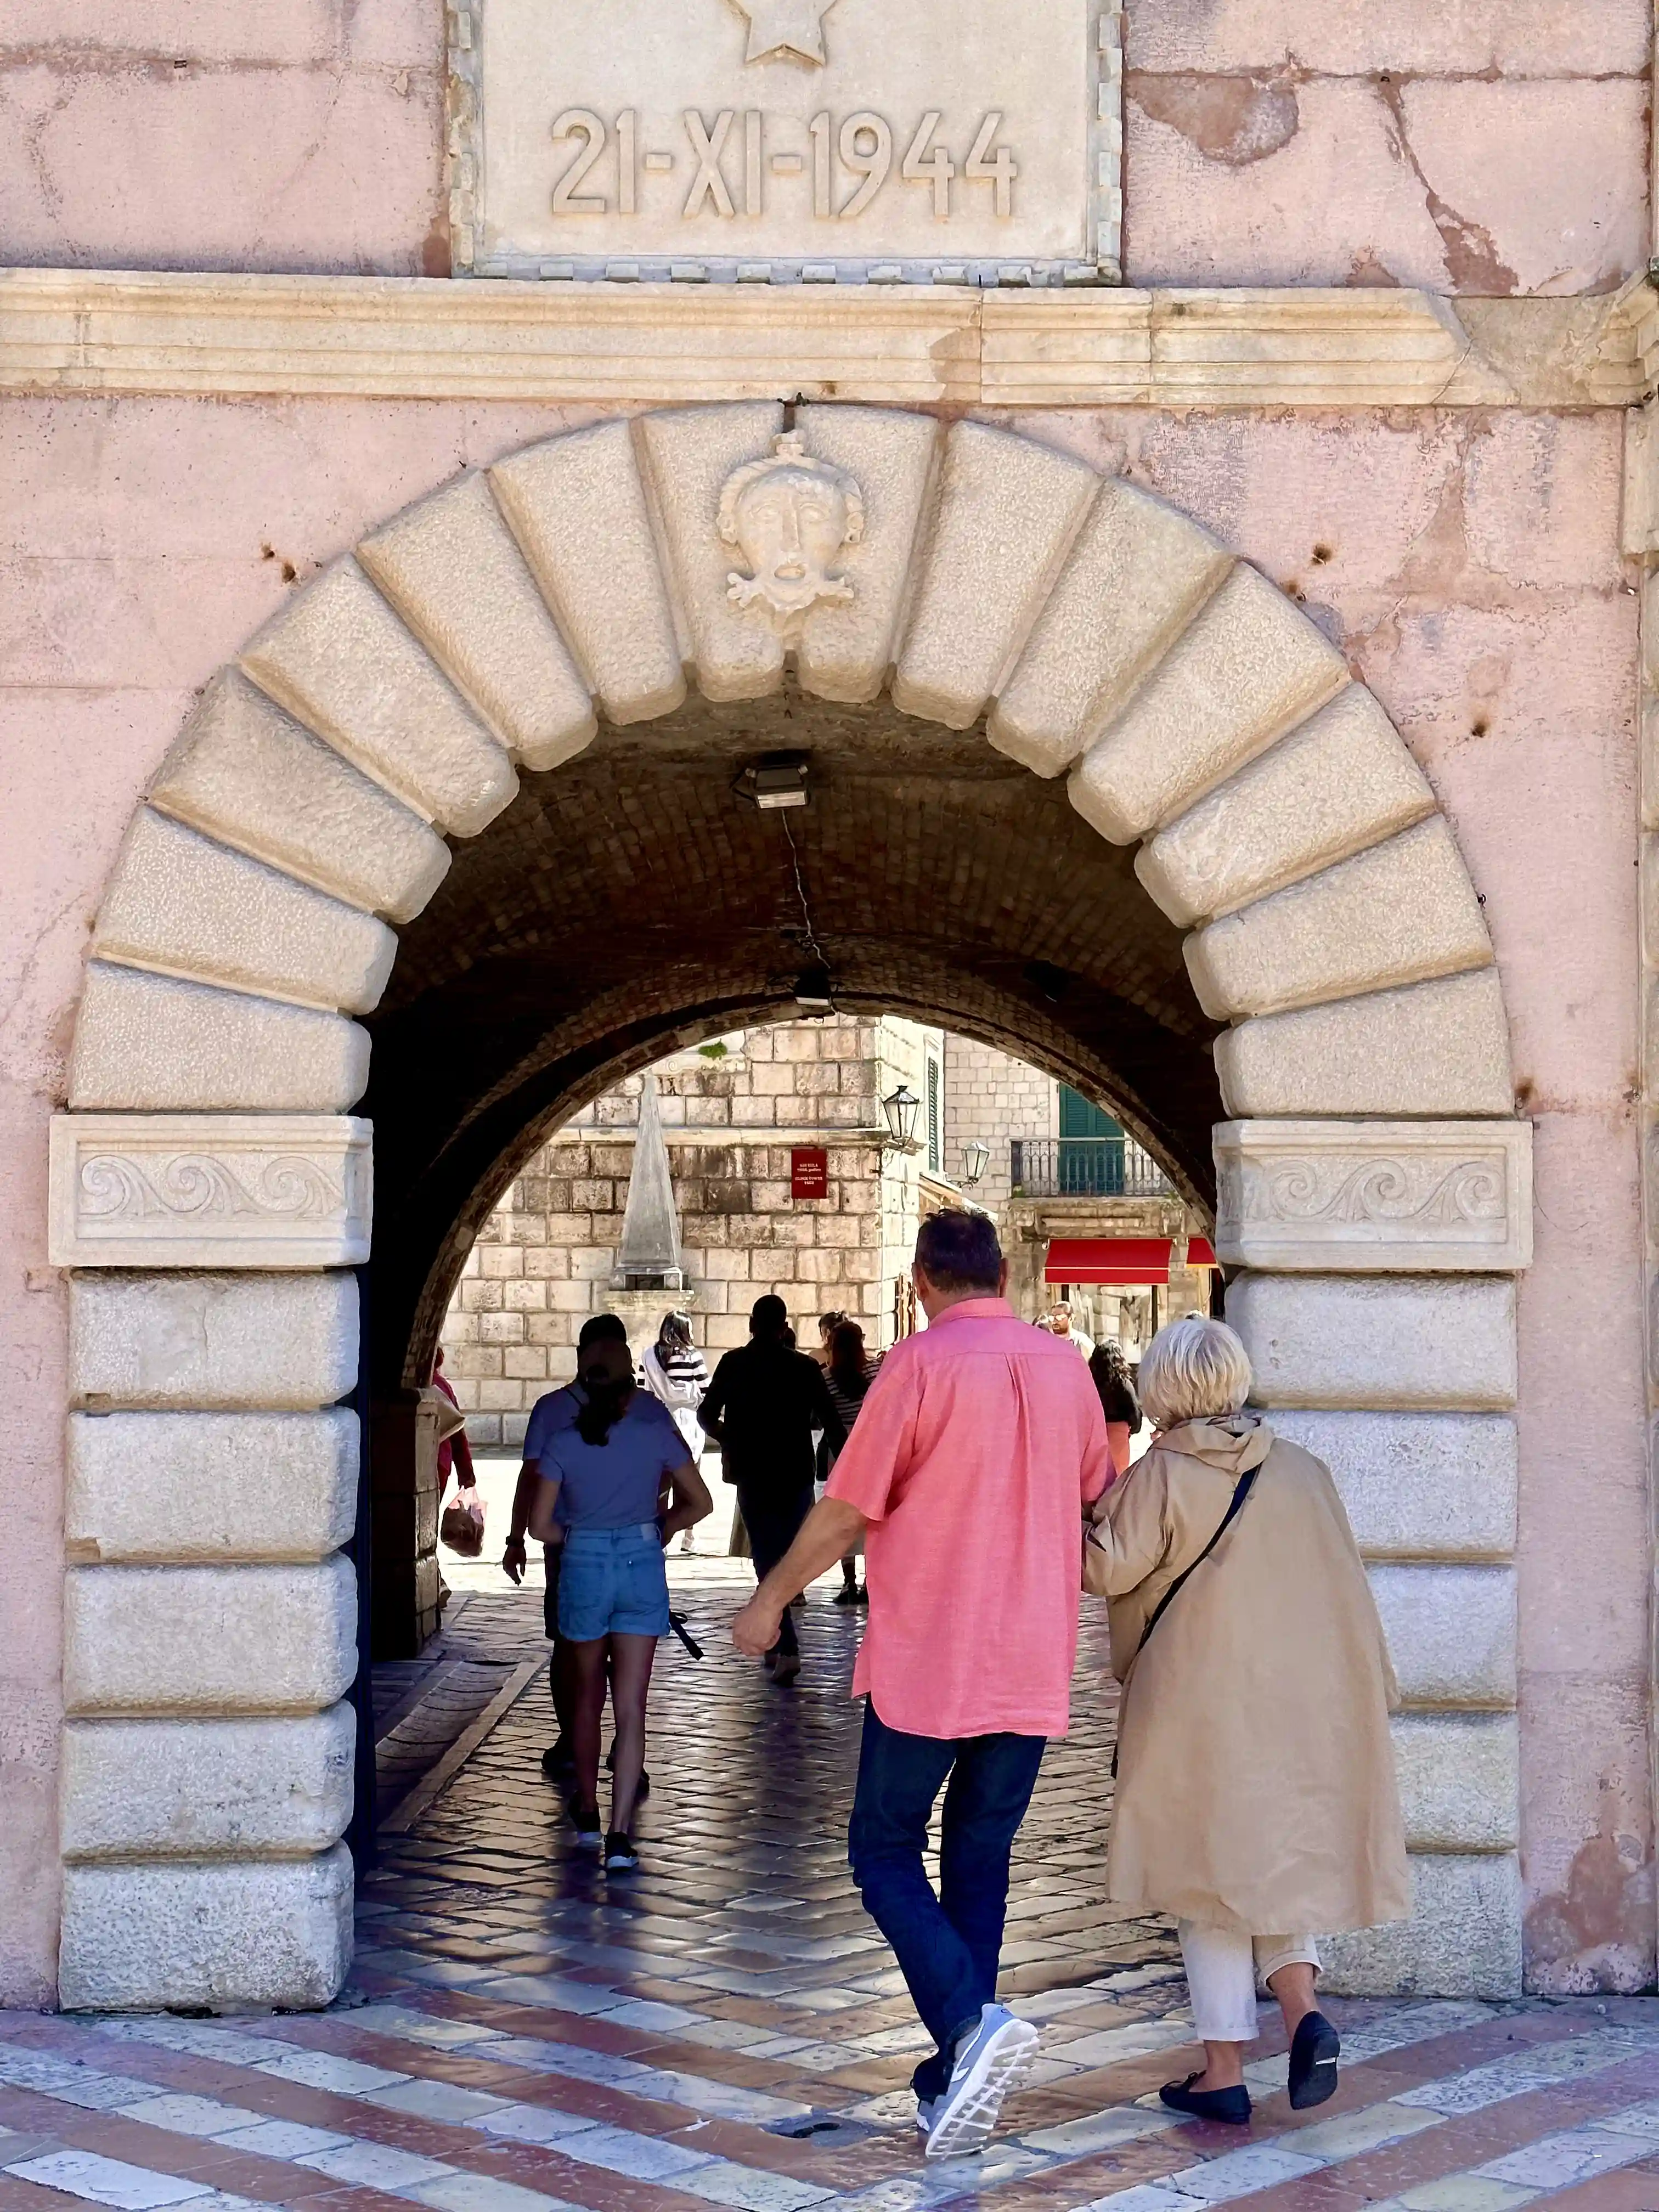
(1487,148)
(1468,564)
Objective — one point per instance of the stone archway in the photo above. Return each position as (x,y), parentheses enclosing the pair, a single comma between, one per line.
(211,1192)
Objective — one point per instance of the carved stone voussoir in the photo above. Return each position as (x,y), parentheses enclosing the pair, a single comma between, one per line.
(1375,1197)
(210,1190)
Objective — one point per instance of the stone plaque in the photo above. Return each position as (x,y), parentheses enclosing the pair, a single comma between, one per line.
(782,141)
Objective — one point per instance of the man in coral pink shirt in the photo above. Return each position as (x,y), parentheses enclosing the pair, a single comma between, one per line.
(966,1474)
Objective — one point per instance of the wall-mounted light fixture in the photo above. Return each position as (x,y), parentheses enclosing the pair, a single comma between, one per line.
(776,780)
(902,1108)
(976,1158)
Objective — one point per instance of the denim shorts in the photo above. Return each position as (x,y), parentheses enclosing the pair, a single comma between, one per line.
(613,1581)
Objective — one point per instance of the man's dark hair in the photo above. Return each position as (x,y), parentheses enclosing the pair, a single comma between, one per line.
(958,1251)
(601,1327)
(769,1317)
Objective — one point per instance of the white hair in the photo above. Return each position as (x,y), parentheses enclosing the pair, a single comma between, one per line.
(1193,1370)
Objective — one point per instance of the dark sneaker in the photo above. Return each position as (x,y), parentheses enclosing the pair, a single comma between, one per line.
(926,2108)
(620,1856)
(1230,2105)
(864,1594)
(590,1836)
(990,2063)
(787,1668)
(558,1761)
(849,1594)
(1314,2049)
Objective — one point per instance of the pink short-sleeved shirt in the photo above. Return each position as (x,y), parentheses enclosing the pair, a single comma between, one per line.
(972,1458)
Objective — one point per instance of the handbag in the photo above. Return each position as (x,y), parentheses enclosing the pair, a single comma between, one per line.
(463,1524)
(1236,1506)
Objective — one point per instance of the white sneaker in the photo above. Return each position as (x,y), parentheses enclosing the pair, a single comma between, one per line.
(991,2063)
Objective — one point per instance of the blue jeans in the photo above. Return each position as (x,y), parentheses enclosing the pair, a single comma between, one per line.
(948,1947)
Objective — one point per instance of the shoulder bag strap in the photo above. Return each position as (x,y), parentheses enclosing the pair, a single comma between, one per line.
(1236,1506)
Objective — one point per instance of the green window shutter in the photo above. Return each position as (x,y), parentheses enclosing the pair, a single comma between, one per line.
(1080,1118)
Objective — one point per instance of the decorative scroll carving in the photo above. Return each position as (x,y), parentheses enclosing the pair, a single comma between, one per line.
(286,1187)
(1392,1190)
(1384,1196)
(790,515)
(209,1191)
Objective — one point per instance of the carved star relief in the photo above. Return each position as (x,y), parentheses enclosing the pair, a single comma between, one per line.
(786,27)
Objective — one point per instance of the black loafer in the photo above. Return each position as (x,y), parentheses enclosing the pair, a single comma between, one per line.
(1232,2106)
(1314,2049)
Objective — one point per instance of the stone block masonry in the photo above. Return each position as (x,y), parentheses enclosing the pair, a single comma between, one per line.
(175,1022)
(733,1113)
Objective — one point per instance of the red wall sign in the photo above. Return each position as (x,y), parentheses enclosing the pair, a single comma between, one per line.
(809,1172)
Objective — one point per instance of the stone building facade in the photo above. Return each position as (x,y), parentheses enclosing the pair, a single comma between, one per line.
(734,1112)
(1232,688)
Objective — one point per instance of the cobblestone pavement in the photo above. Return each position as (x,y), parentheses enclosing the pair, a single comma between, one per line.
(726,2028)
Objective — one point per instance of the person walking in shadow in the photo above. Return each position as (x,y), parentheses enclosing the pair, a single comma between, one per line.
(555,1411)
(974,1454)
(761,1409)
(848,1377)
(603,1481)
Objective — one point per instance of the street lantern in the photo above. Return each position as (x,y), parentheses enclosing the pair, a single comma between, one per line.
(976,1158)
(901,1110)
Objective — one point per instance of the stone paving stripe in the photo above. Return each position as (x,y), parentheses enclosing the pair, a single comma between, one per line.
(1460,2145)
(432,1785)
(151,2150)
(17,2196)
(1634,2190)
(102,2181)
(399,2169)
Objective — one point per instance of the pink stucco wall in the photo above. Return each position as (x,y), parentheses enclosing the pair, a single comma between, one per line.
(224,134)
(1468,564)
(1485,147)
(1491,146)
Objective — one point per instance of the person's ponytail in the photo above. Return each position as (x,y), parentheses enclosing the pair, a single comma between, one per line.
(607,1401)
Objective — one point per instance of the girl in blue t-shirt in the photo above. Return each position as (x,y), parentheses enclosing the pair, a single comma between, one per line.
(603,1481)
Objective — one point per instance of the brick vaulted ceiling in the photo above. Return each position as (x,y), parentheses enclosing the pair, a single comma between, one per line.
(631,901)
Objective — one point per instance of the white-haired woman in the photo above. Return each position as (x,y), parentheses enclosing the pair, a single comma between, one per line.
(1256,1797)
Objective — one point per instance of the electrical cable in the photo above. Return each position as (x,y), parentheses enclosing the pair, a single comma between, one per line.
(814,950)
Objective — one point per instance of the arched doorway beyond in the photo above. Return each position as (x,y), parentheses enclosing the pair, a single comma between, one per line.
(212,1189)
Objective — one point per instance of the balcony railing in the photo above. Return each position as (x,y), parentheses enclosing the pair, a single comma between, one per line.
(1083,1167)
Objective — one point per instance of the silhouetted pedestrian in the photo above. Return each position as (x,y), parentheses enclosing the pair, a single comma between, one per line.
(763,1405)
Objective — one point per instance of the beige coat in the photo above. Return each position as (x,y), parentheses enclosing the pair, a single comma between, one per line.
(1257,1784)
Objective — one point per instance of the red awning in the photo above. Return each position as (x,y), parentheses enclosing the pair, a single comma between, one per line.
(1140,1259)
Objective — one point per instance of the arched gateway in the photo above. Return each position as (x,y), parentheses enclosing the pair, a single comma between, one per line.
(212,1192)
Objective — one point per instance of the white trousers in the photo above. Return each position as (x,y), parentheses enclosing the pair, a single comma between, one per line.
(1223,1971)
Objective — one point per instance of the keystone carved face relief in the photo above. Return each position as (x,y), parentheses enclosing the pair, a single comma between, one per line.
(789,516)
